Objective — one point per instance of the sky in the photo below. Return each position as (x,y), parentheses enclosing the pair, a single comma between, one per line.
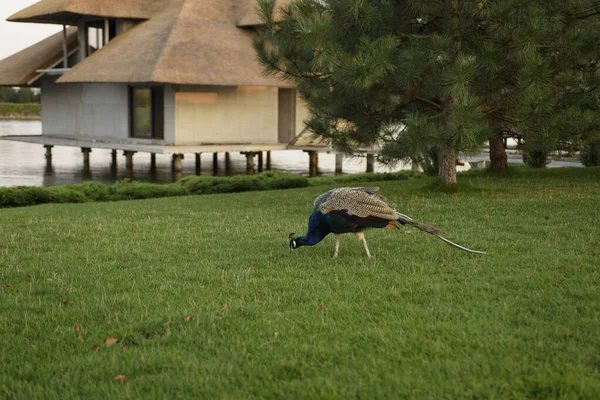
(16,36)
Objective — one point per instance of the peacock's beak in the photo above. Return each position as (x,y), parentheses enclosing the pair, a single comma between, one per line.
(291,249)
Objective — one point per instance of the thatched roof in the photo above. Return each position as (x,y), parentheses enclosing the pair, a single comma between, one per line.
(67,11)
(21,68)
(246,11)
(193,42)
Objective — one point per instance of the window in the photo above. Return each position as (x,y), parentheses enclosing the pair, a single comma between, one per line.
(146,112)
(99,33)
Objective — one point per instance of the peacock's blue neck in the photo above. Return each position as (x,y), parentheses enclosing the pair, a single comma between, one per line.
(318,228)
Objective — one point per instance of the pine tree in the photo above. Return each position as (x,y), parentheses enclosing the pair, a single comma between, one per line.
(430,79)
(563,111)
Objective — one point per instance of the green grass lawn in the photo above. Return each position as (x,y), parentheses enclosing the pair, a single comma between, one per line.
(206,301)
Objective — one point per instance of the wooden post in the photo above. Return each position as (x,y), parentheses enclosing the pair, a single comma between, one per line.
(249,162)
(152,161)
(215,163)
(370,162)
(86,155)
(227,163)
(48,170)
(198,164)
(313,163)
(128,158)
(106,33)
(177,162)
(260,161)
(339,160)
(48,154)
(64,47)
(269,160)
(82,40)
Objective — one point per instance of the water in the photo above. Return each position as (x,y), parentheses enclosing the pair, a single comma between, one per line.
(24,163)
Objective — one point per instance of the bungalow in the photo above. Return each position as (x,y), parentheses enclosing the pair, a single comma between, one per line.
(158,76)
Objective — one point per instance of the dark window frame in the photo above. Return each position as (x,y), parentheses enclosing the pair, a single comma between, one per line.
(157,110)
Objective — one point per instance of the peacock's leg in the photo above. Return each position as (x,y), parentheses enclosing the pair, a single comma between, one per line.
(361,237)
(336,249)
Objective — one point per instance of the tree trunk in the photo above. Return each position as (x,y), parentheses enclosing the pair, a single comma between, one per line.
(497,154)
(447,165)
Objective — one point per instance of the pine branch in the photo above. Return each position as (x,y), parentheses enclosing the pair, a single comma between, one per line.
(433,103)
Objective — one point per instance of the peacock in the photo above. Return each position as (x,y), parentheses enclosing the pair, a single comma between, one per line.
(352,210)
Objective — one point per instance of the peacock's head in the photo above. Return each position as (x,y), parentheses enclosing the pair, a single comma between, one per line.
(295,242)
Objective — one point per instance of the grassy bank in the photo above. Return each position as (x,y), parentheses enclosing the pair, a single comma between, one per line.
(204,300)
(20,111)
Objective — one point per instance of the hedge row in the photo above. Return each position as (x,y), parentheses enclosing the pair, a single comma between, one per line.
(130,190)
(364,177)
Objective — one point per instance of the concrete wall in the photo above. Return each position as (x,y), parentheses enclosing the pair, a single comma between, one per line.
(98,111)
(82,111)
(218,114)
(61,109)
(193,115)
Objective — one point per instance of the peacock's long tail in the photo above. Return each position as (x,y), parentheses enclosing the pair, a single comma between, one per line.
(433,230)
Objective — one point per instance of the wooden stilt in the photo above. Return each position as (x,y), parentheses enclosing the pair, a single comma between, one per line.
(198,164)
(49,170)
(260,161)
(268,160)
(177,162)
(48,154)
(215,163)
(113,155)
(86,155)
(227,163)
(128,158)
(313,163)
(370,162)
(152,161)
(250,163)
(339,161)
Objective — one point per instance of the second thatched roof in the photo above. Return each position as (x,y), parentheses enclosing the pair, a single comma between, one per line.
(21,68)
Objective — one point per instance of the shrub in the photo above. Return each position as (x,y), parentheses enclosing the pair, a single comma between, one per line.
(282,180)
(590,155)
(133,190)
(535,158)
(220,184)
(64,194)
(365,177)
(94,191)
(23,196)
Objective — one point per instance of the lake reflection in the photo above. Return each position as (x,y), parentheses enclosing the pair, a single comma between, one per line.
(25,164)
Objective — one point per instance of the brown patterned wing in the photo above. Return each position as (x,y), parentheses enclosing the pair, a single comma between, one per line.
(356,201)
